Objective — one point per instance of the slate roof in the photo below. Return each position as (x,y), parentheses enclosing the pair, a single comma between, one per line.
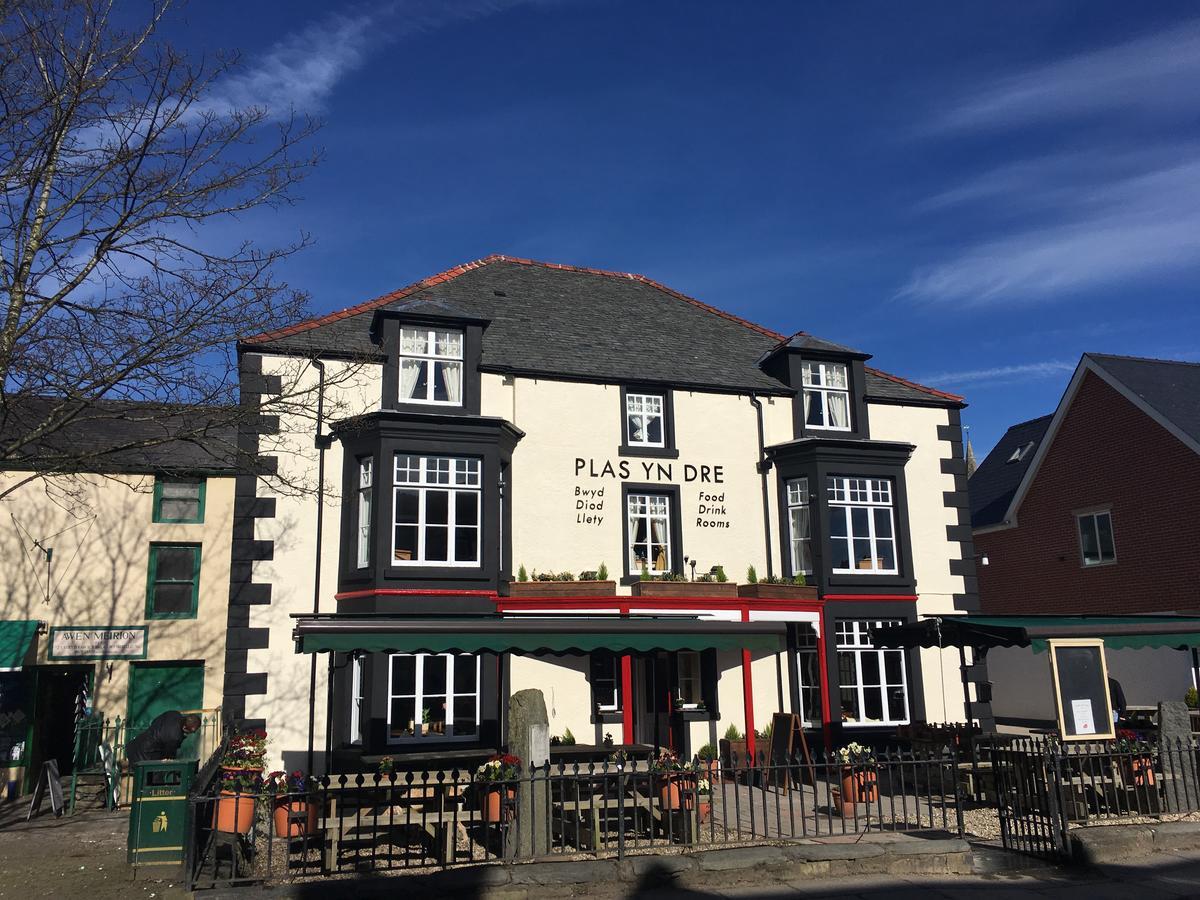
(567,321)
(802,340)
(125,436)
(1170,387)
(996,480)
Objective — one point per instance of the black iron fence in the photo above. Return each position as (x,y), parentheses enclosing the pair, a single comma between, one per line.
(1045,787)
(422,819)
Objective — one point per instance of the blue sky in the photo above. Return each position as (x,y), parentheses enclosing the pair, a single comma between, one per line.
(975,193)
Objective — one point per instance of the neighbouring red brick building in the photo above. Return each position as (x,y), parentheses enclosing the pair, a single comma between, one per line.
(1093,510)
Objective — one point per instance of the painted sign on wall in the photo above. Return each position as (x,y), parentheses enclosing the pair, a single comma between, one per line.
(101,642)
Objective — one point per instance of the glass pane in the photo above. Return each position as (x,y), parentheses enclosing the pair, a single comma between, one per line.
(404,674)
(850,710)
(814,408)
(812,373)
(801,557)
(883,523)
(886,551)
(465,711)
(437,507)
(858,521)
(437,540)
(175,564)
(434,675)
(1105,536)
(406,542)
(839,410)
(447,385)
(835,375)
(181,490)
(862,554)
(896,705)
(173,598)
(870,668)
(433,715)
(1087,531)
(466,508)
(847,668)
(407,506)
(893,666)
(449,343)
(412,379)
(837,522)
(403,717)
(874,708)
(414,340)
(840,552)
(464,674)
(654,430)
(179,509)
(466,544)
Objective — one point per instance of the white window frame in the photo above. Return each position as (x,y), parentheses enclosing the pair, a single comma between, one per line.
(418,697)
(807,646)
(635,407)
(1093,516)
(849,492)
(464,475)
(825,392)
(366,472)
(356,699)
(853,637)
(799,501)
(429,359)
(652,499)
(696,677)
(615,700)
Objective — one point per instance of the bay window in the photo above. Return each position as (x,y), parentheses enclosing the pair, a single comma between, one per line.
(861,525)
(799,527)
(436,511)
(365,475)
(874,683)
(432,696)
(431,366)
(826,396)
(645,420)
(649,533)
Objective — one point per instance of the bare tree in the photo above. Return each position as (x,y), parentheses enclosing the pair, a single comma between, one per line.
(122,273)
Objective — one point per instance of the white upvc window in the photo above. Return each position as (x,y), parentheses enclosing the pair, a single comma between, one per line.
(799,526)
(432,696)
(366,473)
(356,699)
(826,396)
(687,667)
(645,420)
(873,682)
(862,532)
(1096,544)
(649,533)
(431,366)
(606,680)
(436,511)
(808,665)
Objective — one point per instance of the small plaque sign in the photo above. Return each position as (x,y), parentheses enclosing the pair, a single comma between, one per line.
(101,642)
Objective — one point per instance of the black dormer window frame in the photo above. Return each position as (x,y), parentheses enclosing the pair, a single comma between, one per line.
(386,332)
(667,450)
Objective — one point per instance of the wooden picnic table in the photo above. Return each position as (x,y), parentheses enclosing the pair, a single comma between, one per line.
(579,817)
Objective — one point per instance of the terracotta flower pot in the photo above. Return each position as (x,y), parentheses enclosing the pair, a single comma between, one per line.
(1140,771)
(705,809)
(234,813)
(294,827)
(841,806)
(493,806)
(859,785)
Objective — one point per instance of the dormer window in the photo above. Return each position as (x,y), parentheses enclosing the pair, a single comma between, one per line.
(431,366)
(826,396)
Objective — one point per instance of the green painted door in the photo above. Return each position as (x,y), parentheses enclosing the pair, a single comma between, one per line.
(157,687)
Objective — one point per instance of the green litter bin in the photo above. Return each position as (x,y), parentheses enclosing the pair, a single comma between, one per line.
(158,812)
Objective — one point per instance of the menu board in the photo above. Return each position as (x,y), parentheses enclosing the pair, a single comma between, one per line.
(1080,676)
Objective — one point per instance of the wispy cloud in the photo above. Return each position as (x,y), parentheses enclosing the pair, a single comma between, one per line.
(302,70)
(1153,74)
(1000,374)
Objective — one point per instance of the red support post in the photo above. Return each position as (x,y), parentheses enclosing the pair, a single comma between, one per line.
(748,701)
(823,671)
(626,699)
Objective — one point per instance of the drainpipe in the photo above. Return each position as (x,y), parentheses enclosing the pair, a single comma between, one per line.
(764,466)
(321,442)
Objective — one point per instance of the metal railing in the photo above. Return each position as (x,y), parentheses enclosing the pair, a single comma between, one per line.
(1045,787)
(427,819)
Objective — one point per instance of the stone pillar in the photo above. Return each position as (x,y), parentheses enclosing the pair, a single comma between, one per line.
(1178,761)
(529,738)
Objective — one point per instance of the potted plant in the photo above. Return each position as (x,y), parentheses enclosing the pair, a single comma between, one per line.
(708,760)
(776,587)
(733,748)
(385,767)
(860,783)
(673,778)
(704,797)
(1137,763)
(496,788)
(240,781)
(674,584)
(591,583)
(292,810)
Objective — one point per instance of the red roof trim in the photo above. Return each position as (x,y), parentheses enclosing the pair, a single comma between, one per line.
(451,274)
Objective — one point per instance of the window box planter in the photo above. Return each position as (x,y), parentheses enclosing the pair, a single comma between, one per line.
(730,749)
(778,591)
(562,589)
(684,589)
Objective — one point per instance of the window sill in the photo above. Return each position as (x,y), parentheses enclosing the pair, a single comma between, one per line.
(648,452)
(167,616)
